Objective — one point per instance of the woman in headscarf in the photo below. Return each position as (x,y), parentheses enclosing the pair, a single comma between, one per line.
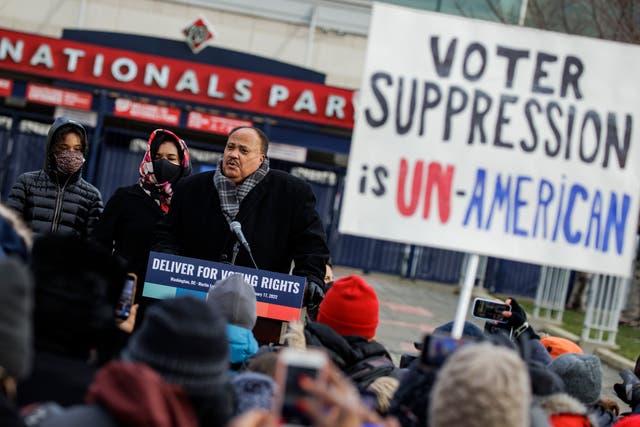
(128,221)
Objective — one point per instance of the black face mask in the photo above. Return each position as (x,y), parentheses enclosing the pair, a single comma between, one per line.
(165,171)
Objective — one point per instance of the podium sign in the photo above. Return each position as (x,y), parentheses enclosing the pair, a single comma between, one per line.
(279,296)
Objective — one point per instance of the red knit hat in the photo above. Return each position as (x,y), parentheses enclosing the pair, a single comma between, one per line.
(350,307)
(558,345)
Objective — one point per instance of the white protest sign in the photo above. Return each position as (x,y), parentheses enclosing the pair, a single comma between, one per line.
(496,140)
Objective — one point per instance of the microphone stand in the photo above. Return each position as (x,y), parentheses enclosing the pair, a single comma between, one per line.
(236,249)
(240,239)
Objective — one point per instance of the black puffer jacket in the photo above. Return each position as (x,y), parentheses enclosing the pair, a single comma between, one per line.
(51,202)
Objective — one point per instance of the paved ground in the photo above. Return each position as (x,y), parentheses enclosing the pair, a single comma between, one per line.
(409,309)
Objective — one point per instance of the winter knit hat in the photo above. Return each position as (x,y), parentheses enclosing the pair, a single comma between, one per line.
(350,307)
(16,333)
(236,299)
(184,340)
(469,330)
(481,385)
(557,346)
(581,374)
(253,391)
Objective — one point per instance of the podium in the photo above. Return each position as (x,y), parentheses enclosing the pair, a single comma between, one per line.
(268,330)
(278,296)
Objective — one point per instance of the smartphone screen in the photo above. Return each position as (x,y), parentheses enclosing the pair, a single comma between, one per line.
(291,413)
(123,309)
(489,310)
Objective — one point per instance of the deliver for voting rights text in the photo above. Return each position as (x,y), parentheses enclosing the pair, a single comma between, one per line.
(187,269)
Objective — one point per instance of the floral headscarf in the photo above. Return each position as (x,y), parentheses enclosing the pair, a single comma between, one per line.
(162,192)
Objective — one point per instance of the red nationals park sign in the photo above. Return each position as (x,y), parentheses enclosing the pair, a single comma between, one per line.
(59,97)
(5,87)
(214,124)
(175,79)
(146,112)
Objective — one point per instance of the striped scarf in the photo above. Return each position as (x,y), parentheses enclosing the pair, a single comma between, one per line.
(231,195)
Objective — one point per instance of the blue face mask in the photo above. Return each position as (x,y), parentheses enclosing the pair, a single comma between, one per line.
(165,171)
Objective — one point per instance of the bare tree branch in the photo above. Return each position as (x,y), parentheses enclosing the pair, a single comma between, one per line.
(608,19)
(461,10)
(538,14)
(563,14)
(497,11)
(594,16)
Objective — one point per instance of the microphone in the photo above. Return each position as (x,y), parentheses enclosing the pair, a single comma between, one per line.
(237,230)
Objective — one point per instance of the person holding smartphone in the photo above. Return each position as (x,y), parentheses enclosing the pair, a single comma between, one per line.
(128,221)
(512,322)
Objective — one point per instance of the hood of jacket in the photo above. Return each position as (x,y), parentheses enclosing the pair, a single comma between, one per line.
(136,395)
(59,123)
(242,343)
(321,335)
(561,406)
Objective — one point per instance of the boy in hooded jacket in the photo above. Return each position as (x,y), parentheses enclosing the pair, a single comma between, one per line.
(56,199)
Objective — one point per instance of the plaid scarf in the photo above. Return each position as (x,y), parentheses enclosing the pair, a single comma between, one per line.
(231,195)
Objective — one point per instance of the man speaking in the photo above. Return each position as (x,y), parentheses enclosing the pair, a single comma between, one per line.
(213,212)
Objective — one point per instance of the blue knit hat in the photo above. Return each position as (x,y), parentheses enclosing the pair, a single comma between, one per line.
(468,331)
(184,340)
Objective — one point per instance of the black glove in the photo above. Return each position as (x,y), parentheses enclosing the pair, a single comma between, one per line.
(629,389)
(518,315)
(314,295)
(516,325)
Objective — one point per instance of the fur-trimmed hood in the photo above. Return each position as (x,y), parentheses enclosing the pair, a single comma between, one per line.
(563,404)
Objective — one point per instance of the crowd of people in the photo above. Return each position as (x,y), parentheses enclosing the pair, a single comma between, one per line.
(67,360)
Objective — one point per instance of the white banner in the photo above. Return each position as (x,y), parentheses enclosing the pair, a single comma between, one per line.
(497,140)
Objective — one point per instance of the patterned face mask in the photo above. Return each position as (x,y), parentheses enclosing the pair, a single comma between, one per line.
(68,161)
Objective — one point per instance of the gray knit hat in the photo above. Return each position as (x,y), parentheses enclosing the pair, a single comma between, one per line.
(481,385)
(185,341)
(16,332)
(236,299)
(581,374)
